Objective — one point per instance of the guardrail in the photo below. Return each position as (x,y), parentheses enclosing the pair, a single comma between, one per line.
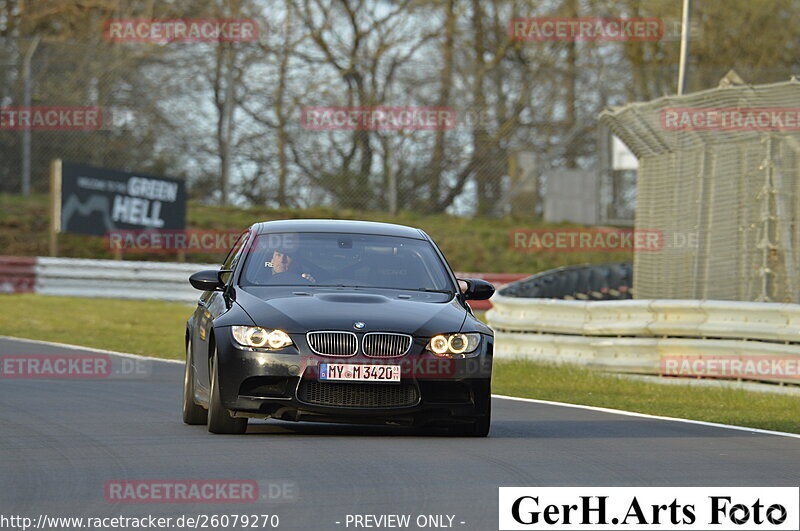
(653,356)
(638,336)
(125,279)
(649,318)
(117,279)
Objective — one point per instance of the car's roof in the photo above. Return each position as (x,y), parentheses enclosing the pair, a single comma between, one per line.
(338,225)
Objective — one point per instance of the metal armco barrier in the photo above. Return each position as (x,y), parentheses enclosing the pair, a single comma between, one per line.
(124,279)
(640,355)
(635,336)
(117,279)
(17,274)
(649,318)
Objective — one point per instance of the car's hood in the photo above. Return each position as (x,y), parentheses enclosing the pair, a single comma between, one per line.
(420,314)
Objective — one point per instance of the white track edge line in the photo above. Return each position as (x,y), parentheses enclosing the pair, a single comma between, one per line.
(90,349)
(647,416)
(503,397)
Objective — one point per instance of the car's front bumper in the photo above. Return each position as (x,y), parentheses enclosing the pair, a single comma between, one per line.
(285,385)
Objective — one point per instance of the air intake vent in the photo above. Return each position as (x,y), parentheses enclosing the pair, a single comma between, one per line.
(358,395)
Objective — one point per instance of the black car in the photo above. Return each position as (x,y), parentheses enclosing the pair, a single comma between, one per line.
(337,321)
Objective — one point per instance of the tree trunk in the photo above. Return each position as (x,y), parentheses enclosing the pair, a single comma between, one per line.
(445,81)
(480,138)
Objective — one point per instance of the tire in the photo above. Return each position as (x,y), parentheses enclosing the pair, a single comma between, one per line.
(192,413)
(219,418)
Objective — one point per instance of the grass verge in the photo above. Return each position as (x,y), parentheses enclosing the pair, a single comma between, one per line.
(149,328)
(577,385)
(154,328)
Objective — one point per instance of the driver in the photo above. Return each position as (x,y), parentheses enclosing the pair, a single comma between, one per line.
(282,262)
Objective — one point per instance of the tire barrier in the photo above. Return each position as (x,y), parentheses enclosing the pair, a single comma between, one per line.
(587,282)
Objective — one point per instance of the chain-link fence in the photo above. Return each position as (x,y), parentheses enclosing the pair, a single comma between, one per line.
(719,175)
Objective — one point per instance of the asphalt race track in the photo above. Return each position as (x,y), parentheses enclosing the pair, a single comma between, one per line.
(61,440)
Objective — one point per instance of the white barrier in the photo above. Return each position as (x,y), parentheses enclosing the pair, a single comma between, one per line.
(638,336)
(117,279)
(649,318)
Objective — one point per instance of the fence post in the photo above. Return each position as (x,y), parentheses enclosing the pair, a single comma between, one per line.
(55,205)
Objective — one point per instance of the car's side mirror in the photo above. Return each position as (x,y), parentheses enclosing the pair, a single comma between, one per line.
(476,289)
(208,280)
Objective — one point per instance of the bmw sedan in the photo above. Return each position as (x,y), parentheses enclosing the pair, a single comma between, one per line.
(337,321)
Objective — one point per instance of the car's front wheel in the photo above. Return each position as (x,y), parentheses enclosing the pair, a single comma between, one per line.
(192,413)
(219,419)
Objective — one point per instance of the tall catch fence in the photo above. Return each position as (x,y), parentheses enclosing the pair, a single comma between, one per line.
(718,174)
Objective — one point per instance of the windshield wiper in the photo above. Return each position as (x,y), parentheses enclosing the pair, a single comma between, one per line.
(431,290)
(424,290)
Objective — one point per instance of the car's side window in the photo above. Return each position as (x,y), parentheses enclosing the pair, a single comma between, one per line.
(233,256)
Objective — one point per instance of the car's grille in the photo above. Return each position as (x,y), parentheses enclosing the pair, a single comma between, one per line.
(386,345)
(333,343)
(357,394)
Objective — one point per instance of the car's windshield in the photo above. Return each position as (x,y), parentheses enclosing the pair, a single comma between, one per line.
(351,260)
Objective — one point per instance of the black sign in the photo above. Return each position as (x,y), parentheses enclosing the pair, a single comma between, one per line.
(97,200)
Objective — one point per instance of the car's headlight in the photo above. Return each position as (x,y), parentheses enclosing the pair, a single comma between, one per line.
(257,337)
(454,344)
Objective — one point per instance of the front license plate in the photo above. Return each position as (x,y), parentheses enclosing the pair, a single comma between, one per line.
(350,372)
